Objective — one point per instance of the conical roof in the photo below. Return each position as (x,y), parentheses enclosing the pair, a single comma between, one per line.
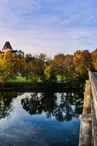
(7,46)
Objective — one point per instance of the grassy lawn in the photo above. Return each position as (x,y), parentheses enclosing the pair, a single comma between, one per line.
(20,79)
(58,78)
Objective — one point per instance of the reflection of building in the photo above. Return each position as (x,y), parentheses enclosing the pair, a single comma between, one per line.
(7,47)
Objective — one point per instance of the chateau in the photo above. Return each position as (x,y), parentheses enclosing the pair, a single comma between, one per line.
(7,47)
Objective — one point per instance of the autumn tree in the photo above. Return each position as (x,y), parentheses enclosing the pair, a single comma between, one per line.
(59,60)
(94,58)
(69,68)
(42,57)
(49,73)
(35,69)
(28,58)
(6,68)
(64,66)
(58,63)
(82,61)
(11,65)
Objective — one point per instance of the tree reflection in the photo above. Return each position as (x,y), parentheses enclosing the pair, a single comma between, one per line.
(6,103)
(62,106)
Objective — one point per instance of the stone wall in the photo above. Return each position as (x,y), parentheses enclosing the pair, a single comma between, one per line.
(85,138)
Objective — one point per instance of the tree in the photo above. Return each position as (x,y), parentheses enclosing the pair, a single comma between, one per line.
(6,68)
(35,69)
(59,60)
(94,58)
(64,66)
(10,65)
(28,58)
(82,61)
(42,57)
(49,73)
(69,68)
(58,63)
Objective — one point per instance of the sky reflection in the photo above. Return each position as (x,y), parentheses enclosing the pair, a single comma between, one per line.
(22,128)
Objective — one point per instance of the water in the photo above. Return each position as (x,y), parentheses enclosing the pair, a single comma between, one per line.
(40,119)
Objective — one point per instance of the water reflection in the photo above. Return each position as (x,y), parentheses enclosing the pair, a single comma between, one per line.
(6,106)
(62,106)
(34,118)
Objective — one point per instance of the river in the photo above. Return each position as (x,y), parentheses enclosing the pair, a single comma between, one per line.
(40,119)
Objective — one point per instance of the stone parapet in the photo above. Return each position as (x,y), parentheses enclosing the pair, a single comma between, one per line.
(87,102)
(85,138)
(85,130)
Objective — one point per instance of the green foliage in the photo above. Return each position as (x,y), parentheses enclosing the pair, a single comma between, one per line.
(10,66)
(65,69)
(49,73)
(6,68)
(35,70)
(62,68)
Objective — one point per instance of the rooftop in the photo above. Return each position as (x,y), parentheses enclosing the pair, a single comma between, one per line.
(7,46)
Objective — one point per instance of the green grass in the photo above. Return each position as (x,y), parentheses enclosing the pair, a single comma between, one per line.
(39,80)
(19,79)
(59,78)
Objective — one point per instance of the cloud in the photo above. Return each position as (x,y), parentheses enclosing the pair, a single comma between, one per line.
(42,26)
(24,6)
(37,41)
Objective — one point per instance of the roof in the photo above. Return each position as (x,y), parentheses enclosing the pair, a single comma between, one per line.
(7,46)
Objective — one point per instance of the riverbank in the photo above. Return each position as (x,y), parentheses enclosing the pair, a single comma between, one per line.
(40,87)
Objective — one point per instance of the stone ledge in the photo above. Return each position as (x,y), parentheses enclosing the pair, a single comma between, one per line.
(86,117)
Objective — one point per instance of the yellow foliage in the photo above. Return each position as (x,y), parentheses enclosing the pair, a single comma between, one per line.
(82,61)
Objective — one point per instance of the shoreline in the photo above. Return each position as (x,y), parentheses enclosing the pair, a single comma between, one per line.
(40,87)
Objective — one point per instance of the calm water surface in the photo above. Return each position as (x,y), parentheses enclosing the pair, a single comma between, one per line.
(40,119)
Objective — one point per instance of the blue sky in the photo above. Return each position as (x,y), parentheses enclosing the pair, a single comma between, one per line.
(49,26)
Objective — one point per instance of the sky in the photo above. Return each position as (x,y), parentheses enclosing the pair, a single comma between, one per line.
(49,26)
